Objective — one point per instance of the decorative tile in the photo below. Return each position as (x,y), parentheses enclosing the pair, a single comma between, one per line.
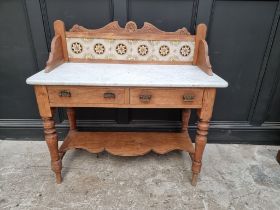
(138,50)
(121,49)
(143,49)
(185,50)
(76,47)
(99,48)
(164,50)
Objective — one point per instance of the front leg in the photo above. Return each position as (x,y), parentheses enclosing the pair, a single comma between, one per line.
(204,115)
(46,112)
(200,142)
(52,142)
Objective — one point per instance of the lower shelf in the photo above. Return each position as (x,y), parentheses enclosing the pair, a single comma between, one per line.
(128,143)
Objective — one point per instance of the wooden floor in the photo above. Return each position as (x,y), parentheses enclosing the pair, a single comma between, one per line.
(128,143)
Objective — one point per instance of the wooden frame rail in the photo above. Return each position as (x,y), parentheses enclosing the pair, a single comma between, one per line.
(59,52)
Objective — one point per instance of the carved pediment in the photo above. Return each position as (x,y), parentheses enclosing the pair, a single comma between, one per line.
(109,28)
(130,27)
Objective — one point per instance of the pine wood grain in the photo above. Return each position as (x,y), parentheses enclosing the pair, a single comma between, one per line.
(204,115)
(83,60)
(201,31)
(203,61)
(42,98)
(86,95)
(59,29)
(52,142)
(128,143)
(114,31)
(56,55)
(167,96)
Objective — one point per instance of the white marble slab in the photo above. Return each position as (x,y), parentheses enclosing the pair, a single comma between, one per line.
(137,75)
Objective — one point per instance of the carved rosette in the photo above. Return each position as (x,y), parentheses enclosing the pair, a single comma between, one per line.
(131,26)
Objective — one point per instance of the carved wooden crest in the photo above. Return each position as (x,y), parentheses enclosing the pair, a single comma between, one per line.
(130,27)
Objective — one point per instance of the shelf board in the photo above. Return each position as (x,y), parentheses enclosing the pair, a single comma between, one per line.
(128,143)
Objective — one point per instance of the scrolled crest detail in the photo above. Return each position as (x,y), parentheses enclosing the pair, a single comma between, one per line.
(130,27)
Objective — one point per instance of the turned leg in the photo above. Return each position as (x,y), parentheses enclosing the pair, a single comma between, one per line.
(46,112)
(200,142)
(71,118)
(52,142)
(204,115)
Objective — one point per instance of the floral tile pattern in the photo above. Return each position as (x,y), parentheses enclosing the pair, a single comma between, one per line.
(76,47)
(99,48)
(138,50)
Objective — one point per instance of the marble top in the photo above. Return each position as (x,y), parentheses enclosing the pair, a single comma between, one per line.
(136,75)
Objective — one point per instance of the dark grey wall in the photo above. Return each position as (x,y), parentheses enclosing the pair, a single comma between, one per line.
(244,41)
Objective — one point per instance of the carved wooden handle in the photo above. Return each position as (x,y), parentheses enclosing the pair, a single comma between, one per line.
(145,98)
(65,93)
(188,97)
(109,95)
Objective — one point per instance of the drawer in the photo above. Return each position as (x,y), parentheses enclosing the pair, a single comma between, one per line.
(177,97)
(60,95)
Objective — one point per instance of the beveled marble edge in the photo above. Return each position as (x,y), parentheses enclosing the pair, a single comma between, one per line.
(123,75)
(38,82)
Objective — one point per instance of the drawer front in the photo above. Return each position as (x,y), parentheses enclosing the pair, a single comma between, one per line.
(60,95)
(173,97)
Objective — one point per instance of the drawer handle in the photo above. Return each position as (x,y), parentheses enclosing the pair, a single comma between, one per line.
(145,98)
(188,97)
(109,95)
(65,93)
